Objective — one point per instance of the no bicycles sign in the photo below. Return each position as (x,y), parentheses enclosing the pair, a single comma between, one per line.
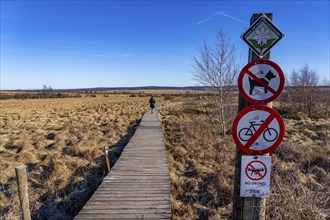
(258,130)
(261,81)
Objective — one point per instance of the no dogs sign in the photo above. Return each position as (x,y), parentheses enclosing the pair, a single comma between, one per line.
(258,130)
(255,176)
(261,81)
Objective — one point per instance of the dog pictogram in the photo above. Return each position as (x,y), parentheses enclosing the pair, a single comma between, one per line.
(261,81)
(267,78)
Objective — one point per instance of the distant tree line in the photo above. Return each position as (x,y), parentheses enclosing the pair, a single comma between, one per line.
(46,92)
(36,95)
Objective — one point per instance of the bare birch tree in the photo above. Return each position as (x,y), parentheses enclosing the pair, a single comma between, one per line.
(217,67)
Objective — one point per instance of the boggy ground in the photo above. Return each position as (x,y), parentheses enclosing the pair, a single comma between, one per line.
(61,142)
(202,165)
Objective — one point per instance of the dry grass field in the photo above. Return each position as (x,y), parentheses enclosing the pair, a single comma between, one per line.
(202,165)
(61,140)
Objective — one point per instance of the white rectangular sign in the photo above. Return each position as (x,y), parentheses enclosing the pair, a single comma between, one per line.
(255,176)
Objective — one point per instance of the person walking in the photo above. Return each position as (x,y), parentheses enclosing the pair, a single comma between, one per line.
(152,103)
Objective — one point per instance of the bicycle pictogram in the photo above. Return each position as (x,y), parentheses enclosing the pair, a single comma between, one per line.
(258,130)
(269,134)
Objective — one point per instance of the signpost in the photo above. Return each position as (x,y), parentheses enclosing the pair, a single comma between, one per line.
(262,35)
(261,81)
(255,176)
(258,130)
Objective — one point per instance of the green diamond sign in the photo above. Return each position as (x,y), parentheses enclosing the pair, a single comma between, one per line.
(262,35)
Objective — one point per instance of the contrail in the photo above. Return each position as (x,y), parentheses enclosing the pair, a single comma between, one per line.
(236,19)
(219,13)
(203,20)
(112,55)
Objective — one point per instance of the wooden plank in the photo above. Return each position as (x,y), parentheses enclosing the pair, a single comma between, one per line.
(125,216)
(125,211)
(137,197)
(128,173)
(140,203)
(136,187)
(136,170)
(144,195)
(133,193)
(133,160)
(139,167)
(126,181)
(143,191)
(121,196)
(126,207)
(161,180)
(136,184)
(138,178)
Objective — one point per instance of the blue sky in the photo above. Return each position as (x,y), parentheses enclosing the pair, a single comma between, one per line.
(79,44)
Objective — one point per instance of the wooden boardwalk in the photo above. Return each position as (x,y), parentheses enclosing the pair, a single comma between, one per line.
(138,186)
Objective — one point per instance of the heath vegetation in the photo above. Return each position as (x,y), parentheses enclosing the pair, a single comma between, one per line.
(202,164)
(61,142)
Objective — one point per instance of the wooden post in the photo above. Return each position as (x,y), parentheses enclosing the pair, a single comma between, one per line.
(22,183)
(106,152)
(248,208)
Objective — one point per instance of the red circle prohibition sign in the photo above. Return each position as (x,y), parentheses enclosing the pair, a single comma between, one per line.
(260,82)
(246,144)
(251,167)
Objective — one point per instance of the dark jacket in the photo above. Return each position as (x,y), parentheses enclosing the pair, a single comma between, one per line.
(152,102)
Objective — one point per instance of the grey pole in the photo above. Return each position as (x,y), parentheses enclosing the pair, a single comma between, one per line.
(22,183)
